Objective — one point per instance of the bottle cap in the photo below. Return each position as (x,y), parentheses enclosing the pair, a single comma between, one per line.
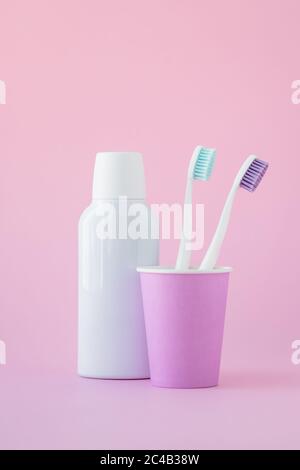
(119,174)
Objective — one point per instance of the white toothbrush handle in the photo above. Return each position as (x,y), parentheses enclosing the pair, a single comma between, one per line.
(184,255)
(211,256)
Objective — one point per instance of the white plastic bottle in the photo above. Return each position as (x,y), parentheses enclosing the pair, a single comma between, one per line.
(111,330)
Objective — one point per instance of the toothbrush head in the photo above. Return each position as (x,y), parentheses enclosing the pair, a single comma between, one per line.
(254,175)
(204,160)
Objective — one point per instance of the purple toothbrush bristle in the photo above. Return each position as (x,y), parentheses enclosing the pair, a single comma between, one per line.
(254,175)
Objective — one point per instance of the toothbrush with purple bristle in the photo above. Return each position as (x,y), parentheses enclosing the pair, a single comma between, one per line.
(248,177)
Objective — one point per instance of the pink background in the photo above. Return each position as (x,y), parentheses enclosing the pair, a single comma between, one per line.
(159,77)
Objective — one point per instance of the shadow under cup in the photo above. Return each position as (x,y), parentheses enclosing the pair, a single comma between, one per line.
(184,318)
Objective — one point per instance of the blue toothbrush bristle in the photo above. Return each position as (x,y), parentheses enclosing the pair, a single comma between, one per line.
(254,175)
(204,164)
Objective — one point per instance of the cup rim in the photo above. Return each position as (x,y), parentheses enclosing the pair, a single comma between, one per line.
(172,270)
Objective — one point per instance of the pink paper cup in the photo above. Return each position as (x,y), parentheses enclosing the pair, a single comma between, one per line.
(184,318)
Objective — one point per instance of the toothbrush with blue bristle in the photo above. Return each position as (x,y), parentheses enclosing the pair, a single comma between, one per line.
(248,177)
(200,168)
